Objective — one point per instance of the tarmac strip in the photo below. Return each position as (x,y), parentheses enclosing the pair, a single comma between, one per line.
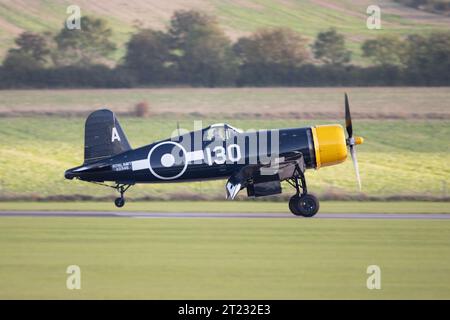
(128,214)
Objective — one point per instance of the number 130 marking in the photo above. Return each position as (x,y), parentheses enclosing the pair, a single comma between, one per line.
(221,154)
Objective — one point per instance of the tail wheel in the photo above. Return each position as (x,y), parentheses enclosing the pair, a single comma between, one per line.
(119,202)
(306,205)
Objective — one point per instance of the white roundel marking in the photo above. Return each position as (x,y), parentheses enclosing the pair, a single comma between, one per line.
(175,176)
(167,160)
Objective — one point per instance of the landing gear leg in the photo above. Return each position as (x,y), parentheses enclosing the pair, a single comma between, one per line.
(302,203)
(120,202)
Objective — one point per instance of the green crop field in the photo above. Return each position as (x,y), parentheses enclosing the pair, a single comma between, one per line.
(237,17)
(223,258)
(399,157)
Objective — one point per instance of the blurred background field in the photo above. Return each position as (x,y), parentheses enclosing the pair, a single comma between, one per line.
(236,17)
(404,158)
(254,103)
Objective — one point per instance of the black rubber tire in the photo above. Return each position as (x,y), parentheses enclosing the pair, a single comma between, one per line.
(306,205)
(293,204)
(119,202)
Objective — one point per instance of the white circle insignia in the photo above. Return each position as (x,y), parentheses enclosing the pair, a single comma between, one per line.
(167,160)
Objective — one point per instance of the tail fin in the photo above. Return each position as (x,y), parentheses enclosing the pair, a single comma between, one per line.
(103,136)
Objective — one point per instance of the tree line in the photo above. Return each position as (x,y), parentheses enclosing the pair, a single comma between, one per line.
(195,51)
(435,6)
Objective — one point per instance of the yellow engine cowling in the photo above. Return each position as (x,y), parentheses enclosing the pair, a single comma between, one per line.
(329,144)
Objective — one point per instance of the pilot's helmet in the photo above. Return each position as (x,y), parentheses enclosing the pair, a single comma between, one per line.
(216,134)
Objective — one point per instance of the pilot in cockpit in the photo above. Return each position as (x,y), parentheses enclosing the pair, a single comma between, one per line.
(216,134)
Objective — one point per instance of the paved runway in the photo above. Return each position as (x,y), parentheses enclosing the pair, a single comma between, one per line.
(129,214)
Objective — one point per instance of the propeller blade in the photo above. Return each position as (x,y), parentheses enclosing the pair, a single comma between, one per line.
(348,118)
(355,165)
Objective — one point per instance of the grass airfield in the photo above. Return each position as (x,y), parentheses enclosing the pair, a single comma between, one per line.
(232,258)
(223,258)
(252,206)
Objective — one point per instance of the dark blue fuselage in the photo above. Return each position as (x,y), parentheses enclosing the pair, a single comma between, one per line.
(191,157)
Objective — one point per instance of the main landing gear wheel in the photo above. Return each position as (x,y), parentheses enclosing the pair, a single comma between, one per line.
(306,205)
(119,202)
(302,203)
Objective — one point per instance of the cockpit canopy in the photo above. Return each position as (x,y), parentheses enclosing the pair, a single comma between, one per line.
(220,131)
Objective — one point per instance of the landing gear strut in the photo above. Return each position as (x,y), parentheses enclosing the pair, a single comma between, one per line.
(120,187)
(120,202)
(302,203)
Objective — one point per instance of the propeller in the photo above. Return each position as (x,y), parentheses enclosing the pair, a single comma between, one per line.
(352,141)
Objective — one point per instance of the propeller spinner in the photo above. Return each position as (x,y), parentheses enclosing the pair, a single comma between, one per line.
(352,141)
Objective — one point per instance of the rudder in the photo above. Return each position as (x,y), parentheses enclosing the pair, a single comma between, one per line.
(103,136)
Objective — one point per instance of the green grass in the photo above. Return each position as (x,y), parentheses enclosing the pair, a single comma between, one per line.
(237,17)
(223,259)
(231,206)
(398,157)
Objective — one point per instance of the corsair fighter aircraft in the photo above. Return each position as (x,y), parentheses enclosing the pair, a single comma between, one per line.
(255,160)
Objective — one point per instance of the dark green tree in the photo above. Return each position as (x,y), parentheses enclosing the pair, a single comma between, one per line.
(428,57)
(200,50)
(280,46)
(18,61)
(91,44)
(385,51)
(148,56)
(183,22)
(33,51)
(329,47)
(271,57)
(435,6)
